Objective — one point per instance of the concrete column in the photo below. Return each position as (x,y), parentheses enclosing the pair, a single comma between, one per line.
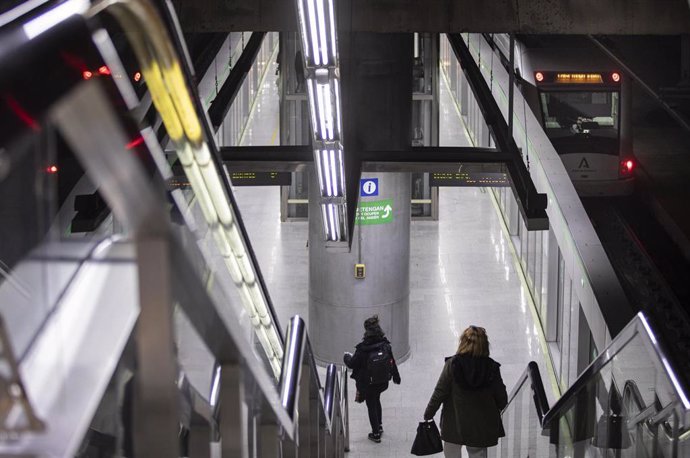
(338,302)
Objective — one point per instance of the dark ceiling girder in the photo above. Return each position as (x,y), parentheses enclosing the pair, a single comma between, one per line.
(532,204)
(226,95)
(619,17)
(419,159)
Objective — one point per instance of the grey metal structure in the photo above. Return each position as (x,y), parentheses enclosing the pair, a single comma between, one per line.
(517,16)
(338,300)
(68,353)
(627,402)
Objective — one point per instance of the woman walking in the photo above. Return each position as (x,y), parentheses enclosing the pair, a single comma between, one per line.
(472,393)
(373,365)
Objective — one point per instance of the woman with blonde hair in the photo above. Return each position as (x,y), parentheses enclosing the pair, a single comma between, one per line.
(472,393)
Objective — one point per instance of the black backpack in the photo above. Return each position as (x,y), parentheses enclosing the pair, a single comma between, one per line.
(379,365)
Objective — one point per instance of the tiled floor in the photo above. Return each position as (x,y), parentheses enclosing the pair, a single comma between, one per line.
(462,272)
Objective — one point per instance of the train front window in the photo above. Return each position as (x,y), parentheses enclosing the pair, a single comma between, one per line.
(579,121)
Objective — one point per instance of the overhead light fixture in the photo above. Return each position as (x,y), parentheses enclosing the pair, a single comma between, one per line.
(320,51)
(318,35)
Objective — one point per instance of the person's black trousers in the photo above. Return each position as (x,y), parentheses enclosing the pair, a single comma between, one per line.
(373,400)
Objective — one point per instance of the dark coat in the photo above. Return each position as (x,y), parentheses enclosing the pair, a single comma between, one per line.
(473,395)
(358,364)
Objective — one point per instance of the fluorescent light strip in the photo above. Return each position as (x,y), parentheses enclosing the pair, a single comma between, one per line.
(329,111)
(303,25)
(333,166)
(317,157)
(331,14)
(331,219)
(342,170)
(324,220)
(337,223)
(320,113)
(53,17)
(339,127)
(312,103)
(322,32)
(312,28)
(326,172)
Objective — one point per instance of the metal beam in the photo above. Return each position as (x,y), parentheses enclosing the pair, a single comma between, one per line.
(623,17)
(432,159)
(226,95)
(532,204)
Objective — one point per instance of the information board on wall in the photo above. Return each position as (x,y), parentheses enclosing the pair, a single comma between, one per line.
(467,179)
(261,178)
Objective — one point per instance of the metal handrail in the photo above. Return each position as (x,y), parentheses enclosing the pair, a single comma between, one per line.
(157,46)
(531,374)
(297,353)
(639,325)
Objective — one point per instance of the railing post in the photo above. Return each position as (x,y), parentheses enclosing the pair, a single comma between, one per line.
(305,414)
(156,419)
(269,438)
(233,424)
(199,436)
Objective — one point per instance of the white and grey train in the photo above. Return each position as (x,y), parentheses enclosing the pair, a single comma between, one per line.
(584,103)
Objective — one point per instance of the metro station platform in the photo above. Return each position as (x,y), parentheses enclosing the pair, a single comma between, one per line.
(462,272)
(152,306)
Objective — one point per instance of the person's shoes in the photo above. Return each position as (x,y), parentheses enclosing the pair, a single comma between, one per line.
(375,437)
(380,430)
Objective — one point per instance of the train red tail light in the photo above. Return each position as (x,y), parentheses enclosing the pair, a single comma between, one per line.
(539,76)
(86,74)
(616,77)
(103,70)
(52,169)
(626,167)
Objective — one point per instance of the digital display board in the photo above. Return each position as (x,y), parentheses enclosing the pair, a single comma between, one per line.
(261,178)
(469,179)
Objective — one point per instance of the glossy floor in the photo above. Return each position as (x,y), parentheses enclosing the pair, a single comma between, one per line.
(462,272)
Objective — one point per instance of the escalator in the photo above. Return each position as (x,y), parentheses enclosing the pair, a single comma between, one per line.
(90,328)
(86,319)
(629,402)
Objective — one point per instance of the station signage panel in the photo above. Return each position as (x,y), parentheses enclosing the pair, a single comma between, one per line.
(374,212)
(470,179)
(369,187)
(261,178)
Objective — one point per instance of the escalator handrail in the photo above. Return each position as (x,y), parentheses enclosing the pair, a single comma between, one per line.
(175,35)
(298,352)
(531,375)
(639,325)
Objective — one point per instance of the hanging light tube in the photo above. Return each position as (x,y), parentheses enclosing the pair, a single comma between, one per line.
(303,27)
(314,33)
(324,220)
(312,103)
(321,110)
(329,111)
(336,85)
(331,16)
(323,45)
(319,39)
(326,173)
(317,156)
(341,168)
(333,167)
(331,219)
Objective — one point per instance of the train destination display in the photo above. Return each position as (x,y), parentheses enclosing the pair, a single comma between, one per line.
(466,179)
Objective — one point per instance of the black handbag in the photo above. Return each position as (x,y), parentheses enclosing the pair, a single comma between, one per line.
(428,439)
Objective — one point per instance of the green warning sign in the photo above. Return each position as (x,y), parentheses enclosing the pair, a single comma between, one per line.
(376,212)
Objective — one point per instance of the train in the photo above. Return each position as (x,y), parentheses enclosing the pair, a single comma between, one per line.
(584,103)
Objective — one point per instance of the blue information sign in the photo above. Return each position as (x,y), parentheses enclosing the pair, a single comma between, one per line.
(369,187)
